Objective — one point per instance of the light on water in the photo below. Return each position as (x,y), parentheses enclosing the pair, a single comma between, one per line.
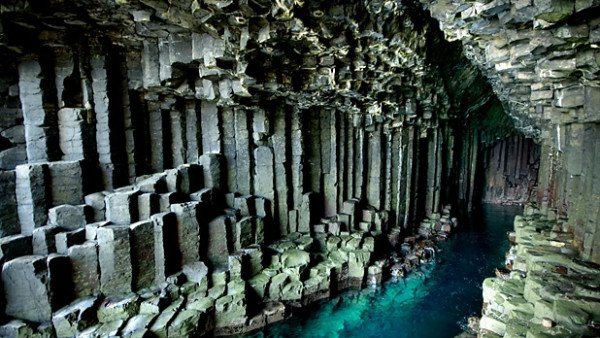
(434,302)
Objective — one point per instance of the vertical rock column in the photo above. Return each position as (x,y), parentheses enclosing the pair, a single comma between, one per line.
(142,254)
(297,159)
(165,240)
(103,130)
(211,132)
(64,66)
(359,158)
(178,136)
(376,158)
(280,140)
(84,265)
(155,123)
(28,287)
(432,156)
(9,222)
(329,161)
(67,180)
(32,192)
(264,175)
(115,259)
(118,81)
(348,181)
(229,150)
(193,132)
(408,200)
(188,231)
(242,152)
(217,249)
(40,125)
(74,136)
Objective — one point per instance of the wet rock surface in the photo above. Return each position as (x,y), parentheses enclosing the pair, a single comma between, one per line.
(548,291)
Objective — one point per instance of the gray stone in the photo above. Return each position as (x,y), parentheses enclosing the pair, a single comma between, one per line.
(191,178)
(12,157)
(351,208)
(570,97)
(263,208)
(64,240)
(9,222)
(43,240)
(212,166)
(218,246)
(245,230)
(195,272)
(85,269)
(17,329)
(185,324)
(118,308)
(66,179)
(188,231)
(156,183)
(161,324)
(69,217)
(32,197)
(109,329)
(170,198)
(142,241)
(152,306)
(165,239)
(295,258)
(115,259)
(293,220)
(307,213)
(148,205)
(173,180)
(264,184)
(74,130)
(15,246)
(245,204)
(91,230)
(121,207)
(27,291)
(137,326)
(76,317)
(97,203)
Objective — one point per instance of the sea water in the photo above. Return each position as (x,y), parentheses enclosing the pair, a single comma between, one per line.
(434,301)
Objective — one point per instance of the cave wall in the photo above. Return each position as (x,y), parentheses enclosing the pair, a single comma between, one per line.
(346,122)
(510,171)
(276,148)
(541,59)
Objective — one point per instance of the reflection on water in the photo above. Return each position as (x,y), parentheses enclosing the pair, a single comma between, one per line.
(434,303)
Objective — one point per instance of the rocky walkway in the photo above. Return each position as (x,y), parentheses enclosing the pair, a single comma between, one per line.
(546,291)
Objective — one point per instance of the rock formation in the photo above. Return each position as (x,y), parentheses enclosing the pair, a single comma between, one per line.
(192,166)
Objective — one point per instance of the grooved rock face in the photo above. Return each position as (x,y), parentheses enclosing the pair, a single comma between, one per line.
(540,56)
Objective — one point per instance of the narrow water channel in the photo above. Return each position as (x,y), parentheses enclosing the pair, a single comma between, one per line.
(434,303)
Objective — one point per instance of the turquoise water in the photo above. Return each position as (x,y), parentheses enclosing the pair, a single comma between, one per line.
(434,303)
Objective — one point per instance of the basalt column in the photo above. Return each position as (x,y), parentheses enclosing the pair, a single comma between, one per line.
(202,166)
